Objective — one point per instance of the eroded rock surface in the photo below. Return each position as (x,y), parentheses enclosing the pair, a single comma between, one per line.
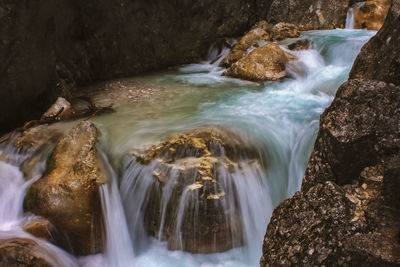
(347,212)
(68,194)
(192,166)
(20,252)
(267,63)
(309,14)
(372,14)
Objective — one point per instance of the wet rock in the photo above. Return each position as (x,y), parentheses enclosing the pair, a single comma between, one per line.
(68,194)
(348,203)
(379,58)
(39,227)
(247,41)
(22,252)
(284,30)
(309,14)
(36,137)
(267,63)
(60,106)
(304,44)
(191,166)
(372,14)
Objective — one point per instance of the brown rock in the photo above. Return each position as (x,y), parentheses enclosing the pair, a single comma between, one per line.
(309,14)
(284,30)
(267,63)
(37,136)
(68,195)
(372,14)
(191,164)
(20,252)
(247,41)
(301,45)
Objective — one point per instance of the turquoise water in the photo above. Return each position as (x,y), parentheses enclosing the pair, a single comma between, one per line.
(280,117)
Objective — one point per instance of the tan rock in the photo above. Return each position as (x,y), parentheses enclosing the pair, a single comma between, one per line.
(267,63)
(68,195)
(247,41)
(284,30)
(22,252)
(372,14)
(60,106)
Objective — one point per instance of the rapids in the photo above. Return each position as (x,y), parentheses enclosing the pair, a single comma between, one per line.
(281,117)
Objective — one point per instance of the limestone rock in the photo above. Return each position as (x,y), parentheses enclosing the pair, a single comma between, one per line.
(189,165)
(246,42)
(267,63)
(20,252)
(309,14)
(68,194)
(372,14)
(60,106)
(284,30)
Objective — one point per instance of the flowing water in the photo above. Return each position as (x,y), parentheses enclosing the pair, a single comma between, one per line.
(351,13)
(280,118)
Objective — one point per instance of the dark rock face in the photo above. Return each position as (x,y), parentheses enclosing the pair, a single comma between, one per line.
(347,212)
(68,195)
(309,14)
(47,48)
(380,57)
(27,60)
(22,252)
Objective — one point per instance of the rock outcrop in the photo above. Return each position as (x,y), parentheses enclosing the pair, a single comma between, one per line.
(68,194)
(267,63)
(371,15)
(309,14)
(347,212)
(199,216)
(20,252)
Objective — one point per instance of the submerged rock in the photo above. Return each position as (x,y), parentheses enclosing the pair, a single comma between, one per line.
(372,14)
(201,216)
(304,44)
(22,252)
(68,194)
(267,63)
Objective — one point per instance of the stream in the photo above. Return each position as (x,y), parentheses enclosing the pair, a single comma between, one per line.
(280,117)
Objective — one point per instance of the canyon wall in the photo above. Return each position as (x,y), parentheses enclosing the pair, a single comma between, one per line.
(47,48)
(348,209)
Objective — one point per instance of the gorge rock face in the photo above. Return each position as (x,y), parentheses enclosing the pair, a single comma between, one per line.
(48,48)
(201,215)
(267,63)
(309,14)
(284,30)
(68,194)
(22,252)
(371,15)
(347,212)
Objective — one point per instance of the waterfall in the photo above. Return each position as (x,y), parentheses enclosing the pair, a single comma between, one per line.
(351,13)
(155,213)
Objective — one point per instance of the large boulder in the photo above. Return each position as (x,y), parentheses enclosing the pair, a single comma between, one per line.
(68,194)
(267,63)
(371,15)
(20,252)
(201,213)
(309,14)
(247,41)
(348,205)
(284,30)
